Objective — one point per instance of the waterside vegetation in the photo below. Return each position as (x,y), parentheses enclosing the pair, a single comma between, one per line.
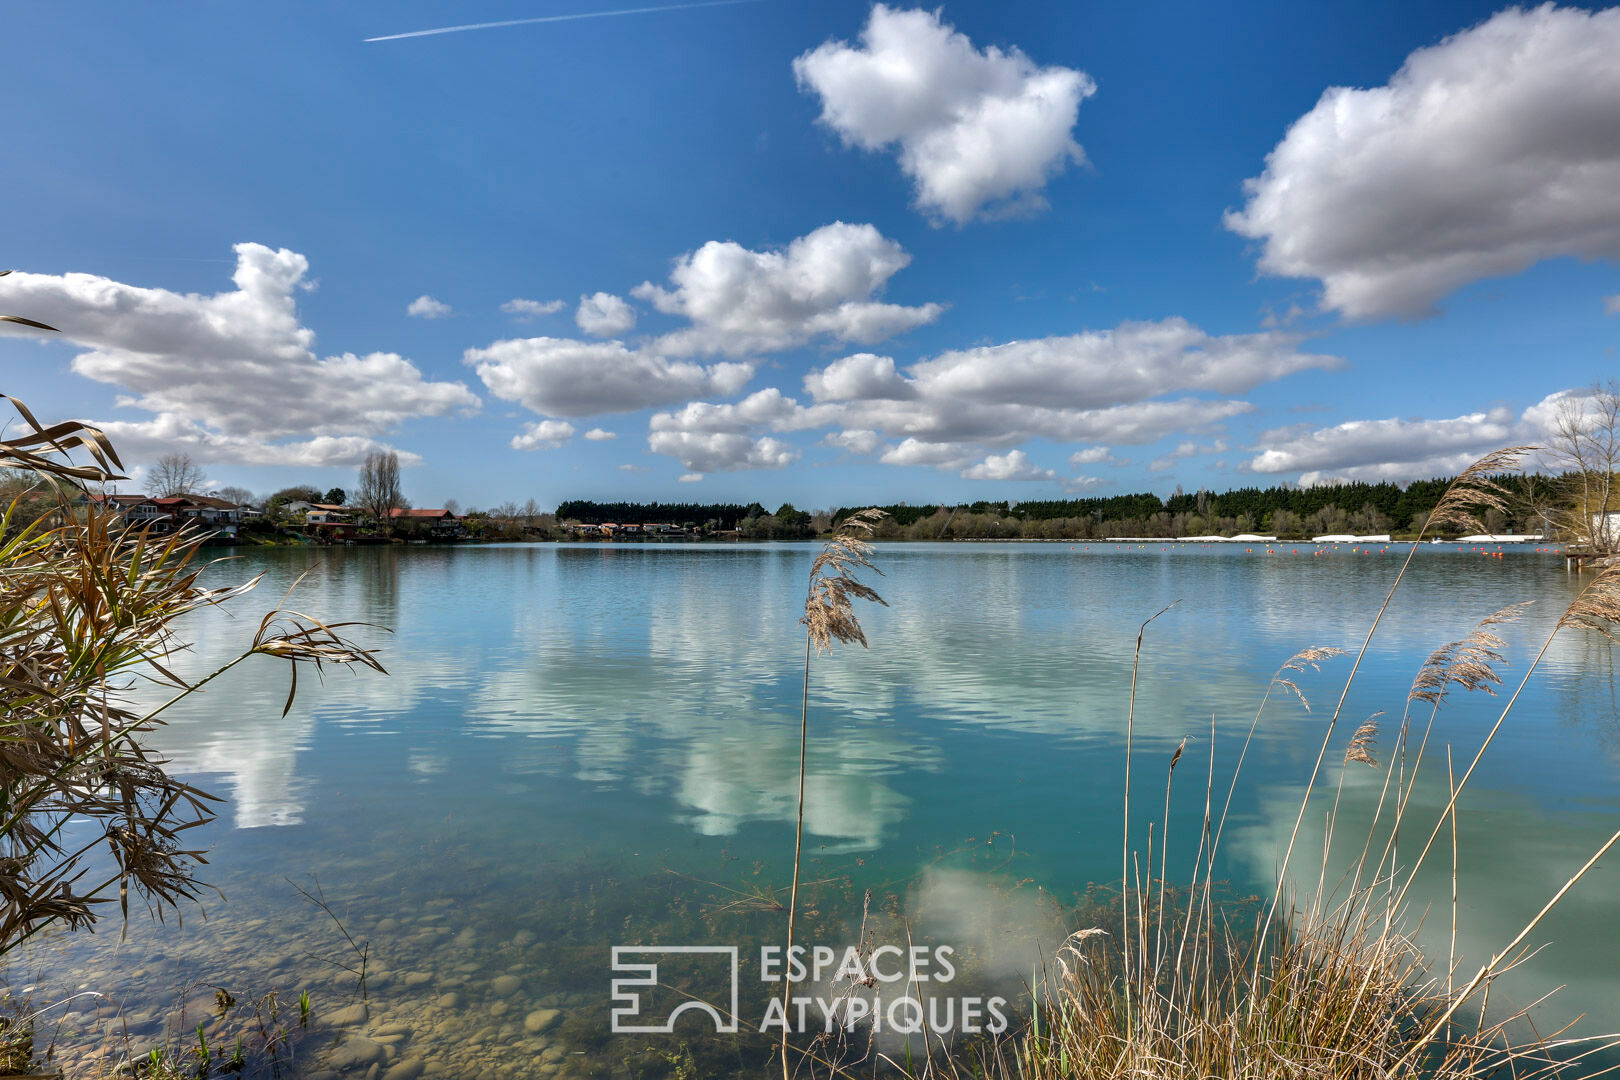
(1324,978)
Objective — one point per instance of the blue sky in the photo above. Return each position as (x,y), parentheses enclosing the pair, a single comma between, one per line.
(848,253)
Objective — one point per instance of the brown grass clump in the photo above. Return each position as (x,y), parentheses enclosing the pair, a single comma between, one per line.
(88,612)
(1328,985)
(1332,984)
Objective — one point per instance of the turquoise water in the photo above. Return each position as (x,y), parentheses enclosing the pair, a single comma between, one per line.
(582,746)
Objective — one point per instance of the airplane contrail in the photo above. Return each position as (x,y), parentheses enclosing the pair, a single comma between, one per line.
(558,18)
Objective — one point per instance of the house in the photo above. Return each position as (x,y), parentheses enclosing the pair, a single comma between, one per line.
(439,524)
(171,513)
(326,514)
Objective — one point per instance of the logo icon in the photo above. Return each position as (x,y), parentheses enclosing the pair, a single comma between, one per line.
(628,999)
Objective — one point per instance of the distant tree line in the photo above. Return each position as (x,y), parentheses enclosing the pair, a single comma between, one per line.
(1286,512)
(688,515)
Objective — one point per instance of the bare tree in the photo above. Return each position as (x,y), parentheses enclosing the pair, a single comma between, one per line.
(241,496)
(379,492)
(174,474)
(1585,446)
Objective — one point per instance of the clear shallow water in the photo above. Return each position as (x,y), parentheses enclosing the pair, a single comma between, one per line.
(582,746)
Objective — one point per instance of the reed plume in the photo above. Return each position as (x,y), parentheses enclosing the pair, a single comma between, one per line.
(1476,487)
(829,615)
(1469,663)
(1361,743)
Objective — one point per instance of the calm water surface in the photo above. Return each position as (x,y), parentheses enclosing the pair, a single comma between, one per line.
(581,746)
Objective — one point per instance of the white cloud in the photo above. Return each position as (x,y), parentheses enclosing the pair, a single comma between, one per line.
(941,455)
(763,408)
(857,441)
(721,451)
(545,435)
(1611,304)
(568,377)
(689,478)
(978,132)
(604,315)
(821,286)
(862,376)
(1103,386)
(1186,450)
(171,433)
(1079,485)
(425,307)
(597,434)
(1488,152)
(1093,455)
(632,468)
(231,377)
(524,310)
(1133,362)
(1391,449)
(1013,465)
(1095,387)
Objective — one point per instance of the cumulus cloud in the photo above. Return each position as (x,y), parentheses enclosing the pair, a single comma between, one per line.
(171,433)
(1079,485)
(545,435)
(572,378)
(1488,152)
(979,132)
(689,478)
(425,307)
(1013,465)
(233,376)
(862,376)
(857,442)
(1611,304)
(1093,455)
(821,286)
(1133,362)
(1392,449)
(764,408)
(1108,387)
(524,310)
(941,455)
(1103,386)
(719,451)
(604,315)
(1186,450)
(597,434)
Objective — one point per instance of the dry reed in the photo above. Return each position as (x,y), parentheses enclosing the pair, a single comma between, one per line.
(1329,985)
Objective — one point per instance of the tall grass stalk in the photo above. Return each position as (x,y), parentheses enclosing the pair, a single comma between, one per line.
(829,615)
(1331,984)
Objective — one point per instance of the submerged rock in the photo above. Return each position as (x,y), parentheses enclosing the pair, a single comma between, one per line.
(357,1013)
(409,1069)
(541,1020)
(358,1052)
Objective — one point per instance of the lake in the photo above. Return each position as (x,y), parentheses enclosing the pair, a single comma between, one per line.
(583,746)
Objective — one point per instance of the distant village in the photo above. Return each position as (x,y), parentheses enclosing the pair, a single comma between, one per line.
(302,520)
